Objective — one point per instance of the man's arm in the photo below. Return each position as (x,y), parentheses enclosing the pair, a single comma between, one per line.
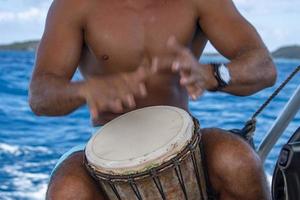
(51,89)
(53,93)
(251,66)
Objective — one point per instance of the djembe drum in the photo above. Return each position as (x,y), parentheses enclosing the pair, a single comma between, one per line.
(152,153)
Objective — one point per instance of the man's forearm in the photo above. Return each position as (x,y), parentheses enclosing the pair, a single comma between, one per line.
(250,72)
(54,96)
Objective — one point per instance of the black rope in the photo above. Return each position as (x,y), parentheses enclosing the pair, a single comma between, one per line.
(248,131)
(114,189)
(158,184)
(180,178)
(135,189)
(267,102)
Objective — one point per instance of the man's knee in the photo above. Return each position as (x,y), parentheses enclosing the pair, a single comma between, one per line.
(229,156)
(69,187)
(71,181)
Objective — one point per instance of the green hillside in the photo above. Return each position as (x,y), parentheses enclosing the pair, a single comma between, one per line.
(292,52)
(21,46)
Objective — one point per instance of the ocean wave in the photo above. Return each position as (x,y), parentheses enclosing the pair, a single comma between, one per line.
(18,150)
(11,149)
(38,193)
(29,185)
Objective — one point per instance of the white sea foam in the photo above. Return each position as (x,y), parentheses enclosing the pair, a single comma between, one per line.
(17,150)
(15,171)
(11,149)
(38,193)
(36,164)
(35,149)
(24,181)
(30,185)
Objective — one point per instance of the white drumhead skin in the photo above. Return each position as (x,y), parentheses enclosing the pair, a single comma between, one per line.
(139,140)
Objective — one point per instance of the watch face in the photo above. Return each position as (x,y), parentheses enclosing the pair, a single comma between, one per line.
(224,74)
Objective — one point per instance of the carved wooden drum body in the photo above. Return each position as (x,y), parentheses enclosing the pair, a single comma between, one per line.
(152,153)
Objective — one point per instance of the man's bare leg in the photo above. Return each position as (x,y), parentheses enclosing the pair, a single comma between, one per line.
(234,169)
(71,181)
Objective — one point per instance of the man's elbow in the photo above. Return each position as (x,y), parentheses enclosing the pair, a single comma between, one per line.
(35,105)
(36,99)
(270,76)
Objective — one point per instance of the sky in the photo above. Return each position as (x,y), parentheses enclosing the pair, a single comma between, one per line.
(277,21)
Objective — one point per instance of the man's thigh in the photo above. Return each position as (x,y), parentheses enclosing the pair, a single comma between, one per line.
(233,166)
(72,181)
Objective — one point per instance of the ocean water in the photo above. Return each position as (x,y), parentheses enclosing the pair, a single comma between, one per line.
(30,145)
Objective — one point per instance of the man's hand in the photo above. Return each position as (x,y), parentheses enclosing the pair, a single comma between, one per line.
(194,76)
(114,93)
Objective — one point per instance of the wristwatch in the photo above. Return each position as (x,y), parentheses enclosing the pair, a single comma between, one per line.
(222,75)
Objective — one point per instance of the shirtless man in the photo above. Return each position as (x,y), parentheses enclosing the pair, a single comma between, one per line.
(137,53)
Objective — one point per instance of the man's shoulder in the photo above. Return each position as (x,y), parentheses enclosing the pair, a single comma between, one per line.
(71,6)
(75,3)
(74,10)
(205,7)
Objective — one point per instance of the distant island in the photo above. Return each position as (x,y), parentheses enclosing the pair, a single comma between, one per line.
(290,52)
(21,46)
(287,52)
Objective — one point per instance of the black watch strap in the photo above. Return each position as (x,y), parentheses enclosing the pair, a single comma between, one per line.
(221,83)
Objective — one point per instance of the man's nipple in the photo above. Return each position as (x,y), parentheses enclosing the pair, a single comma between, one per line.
(105,57)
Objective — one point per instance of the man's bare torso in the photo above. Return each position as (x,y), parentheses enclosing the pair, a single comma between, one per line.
(118,35)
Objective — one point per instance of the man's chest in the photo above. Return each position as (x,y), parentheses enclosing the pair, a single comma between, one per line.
(122,32)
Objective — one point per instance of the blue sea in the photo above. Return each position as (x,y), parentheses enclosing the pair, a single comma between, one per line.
(30,145)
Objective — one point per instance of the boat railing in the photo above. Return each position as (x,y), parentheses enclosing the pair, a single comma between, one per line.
(279,126)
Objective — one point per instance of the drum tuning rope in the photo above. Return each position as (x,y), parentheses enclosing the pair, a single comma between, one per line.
(158,184)
(180,177)
(113,187)
(135,189)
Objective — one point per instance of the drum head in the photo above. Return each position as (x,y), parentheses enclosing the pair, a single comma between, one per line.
(140,140)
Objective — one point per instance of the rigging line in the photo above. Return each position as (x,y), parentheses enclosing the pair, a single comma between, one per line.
(275,93)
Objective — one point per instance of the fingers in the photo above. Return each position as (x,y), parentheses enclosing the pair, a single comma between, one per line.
(134,85)
(154,65)
(174,46)
(116,106)
(142,89)
(195,91)
(160,64)
(180,58)
(187,80)
(175,66)
(192,84)
(93,110)
(143,71)
(129,101)
(167,63)
(184,67)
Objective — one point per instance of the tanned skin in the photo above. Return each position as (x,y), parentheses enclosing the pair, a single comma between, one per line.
(134,54)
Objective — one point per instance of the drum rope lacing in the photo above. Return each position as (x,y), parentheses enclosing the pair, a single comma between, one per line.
(248,131)
(189,150)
